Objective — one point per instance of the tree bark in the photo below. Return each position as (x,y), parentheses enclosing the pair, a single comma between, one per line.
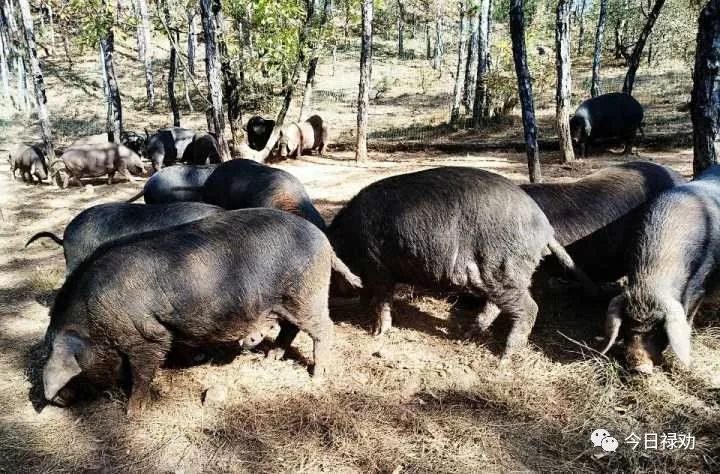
(563,89)
(107,42)
(145,51)
(634,61)
(705,99)
(471,64)
(401,29)
(459,77)
(581,31)
(106,93)
(517,32)
(364,86)
(39,83)
(428,47)
(597,54)
(482,67)
(439,44)
(215,114)
(312,66)
(172,73)
(191,41)
(4,70)
(231,81)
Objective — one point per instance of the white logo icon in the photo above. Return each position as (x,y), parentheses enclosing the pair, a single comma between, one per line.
(609,444)
(597,436)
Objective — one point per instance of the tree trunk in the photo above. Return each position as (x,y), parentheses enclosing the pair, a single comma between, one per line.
(428,47)
(22,92)
(312,66)
(172,73)
(39,83)
(517,32)
(231,82)
(4,74)
(705,100)
(471,64)
(108,101)
(401,29)
(144,50)
(488,62)
(191,41)
(459,77)
(364,87)
(439,45)
(215,114)
(107,42)
(186,91)
(482,67)
(51,28)
(634,61)
(563,90)
(597,55)
(581,31)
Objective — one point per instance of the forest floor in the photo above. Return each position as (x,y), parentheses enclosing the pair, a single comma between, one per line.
(423,398)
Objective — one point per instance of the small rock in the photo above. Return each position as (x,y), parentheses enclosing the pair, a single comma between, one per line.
(89,189)
(215,395)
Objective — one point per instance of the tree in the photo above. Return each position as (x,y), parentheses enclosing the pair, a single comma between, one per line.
(312,65)
(39,83)
(480,102)
(563,89)
(471,63)
(517,33)
(107,44)
(191,40)
(172,72)
(215,115)
(439,44)
(231,82)
(400,29)
(634,60)
(459,77)
(364,86)
(581,30)
(4,74)
(705,99)
(597,54)
(144,49)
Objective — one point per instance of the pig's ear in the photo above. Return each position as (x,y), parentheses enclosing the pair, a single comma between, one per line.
(62,365)
(678,331)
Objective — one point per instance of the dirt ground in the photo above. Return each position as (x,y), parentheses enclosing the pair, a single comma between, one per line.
(423,398)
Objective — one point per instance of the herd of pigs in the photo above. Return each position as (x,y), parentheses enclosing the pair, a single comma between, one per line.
(226,253)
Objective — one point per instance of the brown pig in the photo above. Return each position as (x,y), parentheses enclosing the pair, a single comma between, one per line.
(297,138)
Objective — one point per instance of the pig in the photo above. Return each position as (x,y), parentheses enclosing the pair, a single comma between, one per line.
(258,132)
(616,115)
(596,217)
(175,183)
(203,150)
(240,183)
(297,138)
(128,138)
(107,222)
(449,228)
(31,161)
(203,283)
(673,264)
(167,146)
(97,160)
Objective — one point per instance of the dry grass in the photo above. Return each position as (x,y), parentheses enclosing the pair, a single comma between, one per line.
(422,399)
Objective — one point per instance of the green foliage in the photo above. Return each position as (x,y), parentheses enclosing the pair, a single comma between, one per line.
(91,18)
